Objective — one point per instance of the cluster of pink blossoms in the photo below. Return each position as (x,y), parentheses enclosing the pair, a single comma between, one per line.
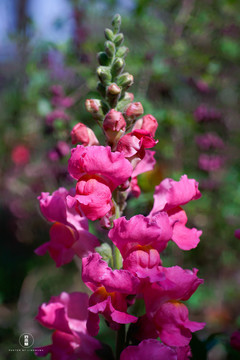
(106,176)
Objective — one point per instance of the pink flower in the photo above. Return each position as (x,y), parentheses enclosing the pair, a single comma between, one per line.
(173,326)
(141,231)
(111,288)
(205,114)
(149,349)
(98,171)
(99,160)
(168,196)
(133,145)
(211,162)
(67,314)
(20,155)
(146,164)
(82,134)
(209,140)
(179,284)
(148,123)
(69,235)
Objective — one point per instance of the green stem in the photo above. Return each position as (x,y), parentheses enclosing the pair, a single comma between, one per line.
(120,341)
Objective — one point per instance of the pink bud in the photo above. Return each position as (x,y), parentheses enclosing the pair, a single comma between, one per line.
(134,110)
(130,95)
(114,120)
(148,123)
(113,89)
(82,134)
(92,105)
(114,125)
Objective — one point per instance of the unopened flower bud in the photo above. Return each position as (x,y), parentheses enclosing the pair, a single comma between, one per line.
(103,59)
(125,80)
(108,34)
(104,74)
(84,135)
(148,123)
(113,94)
(118,39)
(94,106)
(116,23)
(114,125)
(113,89)
(128,97)
(117,66)
(122,52)
(134,110)
(110,48)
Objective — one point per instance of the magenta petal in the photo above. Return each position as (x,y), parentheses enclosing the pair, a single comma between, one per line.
(170,193)
(185,238)
(41,250)
(140,230)
(151,348)
(146,164)
(97,272)
(112,166)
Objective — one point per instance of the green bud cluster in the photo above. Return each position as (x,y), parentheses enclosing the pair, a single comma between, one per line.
(113,83)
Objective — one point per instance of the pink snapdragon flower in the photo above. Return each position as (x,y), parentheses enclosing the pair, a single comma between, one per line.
(169,196)
(98,171)
(67,315)
(206,114)
(59,99)
(111,287)
(172,324)
(133,145)
(69,234)
(149,349)
(148,123)
(83,134)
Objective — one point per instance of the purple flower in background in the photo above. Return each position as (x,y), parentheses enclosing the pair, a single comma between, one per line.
(205,114)
(211,162)
(209,140)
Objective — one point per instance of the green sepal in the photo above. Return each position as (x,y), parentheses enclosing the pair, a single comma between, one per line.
(103,59)
(108,34)
(122,51)
(118,39)
(110,48)
(117,66)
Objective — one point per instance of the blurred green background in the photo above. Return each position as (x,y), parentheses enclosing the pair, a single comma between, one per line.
(184,56)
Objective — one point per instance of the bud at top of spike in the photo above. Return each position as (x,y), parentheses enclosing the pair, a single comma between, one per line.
(116,23)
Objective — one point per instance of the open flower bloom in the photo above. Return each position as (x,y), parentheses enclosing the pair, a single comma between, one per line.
(151,348)
(168,196)
(111,287)
(141,232)
(69,234)
(172,324)
(133,145)
(98,171)
(180,284)
(67,315)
